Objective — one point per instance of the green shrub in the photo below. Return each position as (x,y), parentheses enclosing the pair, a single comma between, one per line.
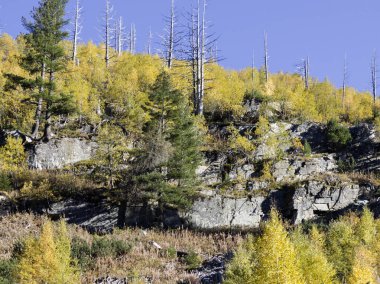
(81,251)
(346,165)
(171,252)
(7,268)
(103,247)
(337,135)
(256,95)
(307,149)
(192,260)
(121,247)
(5,182)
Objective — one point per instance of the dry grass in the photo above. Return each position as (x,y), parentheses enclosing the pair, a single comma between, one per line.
(144,260)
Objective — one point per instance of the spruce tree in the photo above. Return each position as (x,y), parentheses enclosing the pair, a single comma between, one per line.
(44,57)
(171,146)
(186,142)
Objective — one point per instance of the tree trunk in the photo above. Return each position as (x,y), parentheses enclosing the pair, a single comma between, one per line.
(38,114)
(266,59)
(76,32)
(47,130)
(171,37)
(107,33)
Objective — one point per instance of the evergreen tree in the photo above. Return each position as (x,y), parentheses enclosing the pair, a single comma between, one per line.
(186,142)
(44,57)
(171,146)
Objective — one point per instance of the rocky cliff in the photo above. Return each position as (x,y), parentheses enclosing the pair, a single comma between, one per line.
(233,196)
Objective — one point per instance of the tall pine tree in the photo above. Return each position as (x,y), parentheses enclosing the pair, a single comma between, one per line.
(44,57)
(171,146)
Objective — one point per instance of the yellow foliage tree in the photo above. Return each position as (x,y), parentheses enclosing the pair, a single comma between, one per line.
(275,259)
(364,267)
(314,264)
(12,156)
(46,259)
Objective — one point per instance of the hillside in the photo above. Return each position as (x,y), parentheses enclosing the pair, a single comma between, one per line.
(117,167)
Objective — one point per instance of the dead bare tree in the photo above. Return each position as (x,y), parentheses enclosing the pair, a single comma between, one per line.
(77,30)
(132,39)
(150,40)
(107,31)
(306,69)
(199,51)
(170,46)
(119,36)
(253,69)
(266,57)
(344,85)
(374,77)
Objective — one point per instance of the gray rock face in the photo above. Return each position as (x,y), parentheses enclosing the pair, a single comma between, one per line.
(5,205)
(316,197)
(224,212)
(58,153)
(98,218)
(364,149)
(301,169)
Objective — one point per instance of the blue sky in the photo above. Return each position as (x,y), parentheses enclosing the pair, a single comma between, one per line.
(324,30)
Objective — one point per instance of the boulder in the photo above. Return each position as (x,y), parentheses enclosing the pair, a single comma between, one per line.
(316,197)
(220,212)
(58,153)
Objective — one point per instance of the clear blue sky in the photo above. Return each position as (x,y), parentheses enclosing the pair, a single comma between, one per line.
(324,30)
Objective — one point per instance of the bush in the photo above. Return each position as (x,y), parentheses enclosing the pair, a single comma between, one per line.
(307,149)
(81,251)
(5,182)
(377,126)
(103,247)
(346,165)
(338,136)
(7,268)
(171,252)
(192,260)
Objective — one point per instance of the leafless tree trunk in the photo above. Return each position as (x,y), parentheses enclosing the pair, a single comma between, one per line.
(194,60)
(132,39)
(253,69)
(150,40)
(199,54)
(202,61)
(119,36)
(344,86)
(47,129)
(170,51)
(374,77)
(266,58)
(38,114)
(76,31)
(306,68)
(107,30)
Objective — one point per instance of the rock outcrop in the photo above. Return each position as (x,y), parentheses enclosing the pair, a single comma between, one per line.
(5,205)
(95,217)
(225,213)
(316,197)
(58,153)
(299,169)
